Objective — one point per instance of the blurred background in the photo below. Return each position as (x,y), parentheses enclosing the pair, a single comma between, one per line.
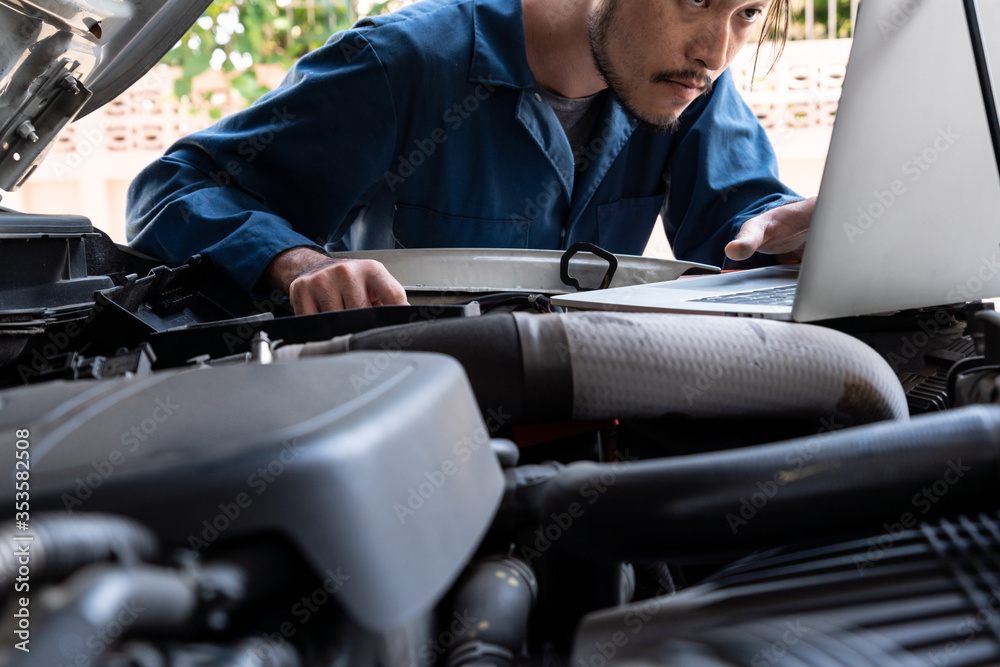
(240,49)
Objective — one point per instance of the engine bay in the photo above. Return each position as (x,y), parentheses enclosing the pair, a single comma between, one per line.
(197,477)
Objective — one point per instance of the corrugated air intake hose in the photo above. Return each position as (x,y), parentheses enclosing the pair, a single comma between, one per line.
(541,368)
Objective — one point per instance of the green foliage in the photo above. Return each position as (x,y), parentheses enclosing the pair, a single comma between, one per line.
(236,35)
(820,8)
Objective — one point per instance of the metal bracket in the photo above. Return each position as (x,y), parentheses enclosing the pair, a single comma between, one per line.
(28,136)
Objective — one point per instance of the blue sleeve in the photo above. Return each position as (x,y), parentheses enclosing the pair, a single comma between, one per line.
(291,170)
(722,173)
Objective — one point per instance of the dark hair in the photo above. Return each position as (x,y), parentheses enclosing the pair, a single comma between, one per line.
(776,29)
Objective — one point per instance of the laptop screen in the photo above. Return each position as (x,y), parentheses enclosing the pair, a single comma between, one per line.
(984,29)
(907,215)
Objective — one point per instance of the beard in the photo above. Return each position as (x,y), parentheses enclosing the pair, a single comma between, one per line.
(600,26)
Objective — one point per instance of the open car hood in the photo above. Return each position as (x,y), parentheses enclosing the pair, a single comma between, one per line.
(61,59)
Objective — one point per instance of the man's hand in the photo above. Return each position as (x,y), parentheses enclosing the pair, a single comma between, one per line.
(316,283)
(781,231)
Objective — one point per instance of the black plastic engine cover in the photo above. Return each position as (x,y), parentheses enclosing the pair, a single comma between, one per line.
(378,466)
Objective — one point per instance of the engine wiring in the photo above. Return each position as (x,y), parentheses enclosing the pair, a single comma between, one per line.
(516,301)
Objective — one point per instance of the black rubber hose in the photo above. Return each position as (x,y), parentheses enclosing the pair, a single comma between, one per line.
(510,388)
(65,542)
(486,346)
(261,652)
(495,599)
(725,503)
(102,605)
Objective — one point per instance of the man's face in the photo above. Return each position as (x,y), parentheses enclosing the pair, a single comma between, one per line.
(658,56)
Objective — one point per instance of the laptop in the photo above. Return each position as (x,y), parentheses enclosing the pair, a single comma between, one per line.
(908,213)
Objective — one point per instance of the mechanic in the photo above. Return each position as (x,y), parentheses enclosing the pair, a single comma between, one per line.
(482,123)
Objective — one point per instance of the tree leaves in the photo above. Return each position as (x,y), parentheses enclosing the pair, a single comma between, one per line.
(268,32)
(247,86)
(182,87)
(195,64)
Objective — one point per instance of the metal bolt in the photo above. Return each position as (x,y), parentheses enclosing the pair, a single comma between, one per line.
(260,348)
(69,82)
(27,131)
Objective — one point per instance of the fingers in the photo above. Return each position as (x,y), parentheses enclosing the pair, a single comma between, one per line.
(750,238)
(313,294)
(780,231)
(384,290)
(353,290)
(344,283)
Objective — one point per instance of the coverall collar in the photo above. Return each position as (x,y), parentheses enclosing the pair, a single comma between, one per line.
(500,53)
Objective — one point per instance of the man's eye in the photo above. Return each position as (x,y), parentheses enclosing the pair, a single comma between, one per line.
(751,15)
(699,3)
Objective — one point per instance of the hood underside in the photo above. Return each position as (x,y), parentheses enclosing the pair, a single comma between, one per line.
(61,59)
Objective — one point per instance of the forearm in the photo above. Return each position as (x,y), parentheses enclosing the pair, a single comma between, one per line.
(174,211)
(278,175)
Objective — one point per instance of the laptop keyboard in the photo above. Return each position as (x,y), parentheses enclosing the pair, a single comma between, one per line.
(770,296)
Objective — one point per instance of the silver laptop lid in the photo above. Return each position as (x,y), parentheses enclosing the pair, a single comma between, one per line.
(909,207)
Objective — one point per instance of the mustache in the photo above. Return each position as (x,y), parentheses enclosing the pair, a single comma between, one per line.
(685,75)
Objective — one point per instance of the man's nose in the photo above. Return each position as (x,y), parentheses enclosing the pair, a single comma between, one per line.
(710,45)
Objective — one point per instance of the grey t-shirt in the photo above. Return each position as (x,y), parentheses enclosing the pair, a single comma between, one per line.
(577,117)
